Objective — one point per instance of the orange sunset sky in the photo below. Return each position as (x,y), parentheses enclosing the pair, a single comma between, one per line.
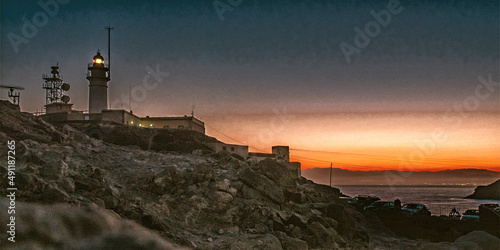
(372,141)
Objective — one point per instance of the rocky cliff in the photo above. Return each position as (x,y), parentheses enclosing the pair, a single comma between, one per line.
(210,201)
(489,192)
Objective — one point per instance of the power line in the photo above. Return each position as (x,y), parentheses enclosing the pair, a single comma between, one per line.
(433,161)
(224,134)
(336,163)
(233,138)
(430,160)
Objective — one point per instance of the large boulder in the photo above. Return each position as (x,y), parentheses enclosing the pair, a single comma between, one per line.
(262,184)
(66,227)
(477,240)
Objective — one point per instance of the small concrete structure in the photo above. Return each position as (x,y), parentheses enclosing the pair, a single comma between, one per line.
(241,150)
(58,107)
(121,116)
(281,153)
(260,156)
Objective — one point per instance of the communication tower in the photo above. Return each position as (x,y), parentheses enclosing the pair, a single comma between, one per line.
(55,100)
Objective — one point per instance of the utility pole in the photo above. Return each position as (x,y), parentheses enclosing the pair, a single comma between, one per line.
(331,169)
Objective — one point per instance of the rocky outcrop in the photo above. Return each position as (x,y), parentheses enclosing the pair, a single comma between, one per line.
(490,192)
(206,201)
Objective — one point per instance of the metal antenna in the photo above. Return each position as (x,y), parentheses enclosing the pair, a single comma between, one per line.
(192,111)
(14,96)
(109,28)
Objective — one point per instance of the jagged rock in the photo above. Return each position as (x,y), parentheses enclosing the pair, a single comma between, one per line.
(52,193)
(322,237)
(66,184)
(275,171)
(291,194)
(289,243)
(54,170)
(262,184)
(297,220)
(264,242)
(85,183)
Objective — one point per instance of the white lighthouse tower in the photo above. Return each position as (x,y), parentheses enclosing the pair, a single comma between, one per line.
(98,76)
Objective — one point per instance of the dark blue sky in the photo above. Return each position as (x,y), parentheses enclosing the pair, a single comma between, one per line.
(262,55)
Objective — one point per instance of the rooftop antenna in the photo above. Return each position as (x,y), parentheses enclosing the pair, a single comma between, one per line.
(109,28)
(130,97)
(192,111)
(14,96)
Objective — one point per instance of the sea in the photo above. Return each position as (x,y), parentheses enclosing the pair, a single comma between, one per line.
(439,199)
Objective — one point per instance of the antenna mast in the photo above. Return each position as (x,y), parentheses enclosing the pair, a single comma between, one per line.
(109,28)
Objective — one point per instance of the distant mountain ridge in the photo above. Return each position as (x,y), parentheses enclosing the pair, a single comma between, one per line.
(473,177)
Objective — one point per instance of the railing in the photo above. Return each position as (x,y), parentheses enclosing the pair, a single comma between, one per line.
(50,76)
(89,74)
(105,65)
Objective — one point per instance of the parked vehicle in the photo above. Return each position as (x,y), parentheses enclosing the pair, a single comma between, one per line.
(349,200)
(380,206)
(361,201)
(471,214)
(415,210)
(493,206)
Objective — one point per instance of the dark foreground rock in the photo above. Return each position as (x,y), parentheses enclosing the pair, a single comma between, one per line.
(67,227)
(489,192)
(436,229)
(475,240)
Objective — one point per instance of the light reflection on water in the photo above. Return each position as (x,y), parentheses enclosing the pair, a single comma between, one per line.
(439,199)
